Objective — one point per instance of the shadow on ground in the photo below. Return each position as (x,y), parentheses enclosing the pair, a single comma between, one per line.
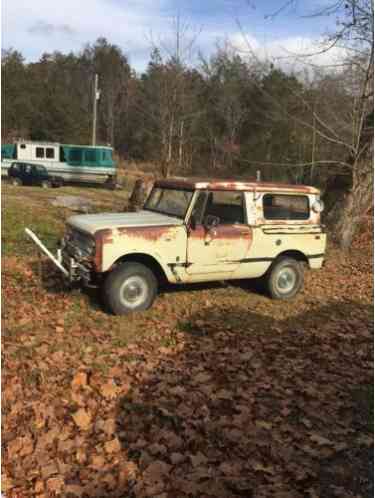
(252,406)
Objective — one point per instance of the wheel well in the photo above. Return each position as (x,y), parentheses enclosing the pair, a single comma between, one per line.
(298,255)
(146,260)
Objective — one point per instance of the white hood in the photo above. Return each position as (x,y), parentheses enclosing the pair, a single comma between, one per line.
(91,223)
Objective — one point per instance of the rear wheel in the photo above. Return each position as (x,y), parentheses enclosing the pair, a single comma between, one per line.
(46,184)
(130,287)
(285,278)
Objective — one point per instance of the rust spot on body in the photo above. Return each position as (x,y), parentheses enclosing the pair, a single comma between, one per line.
(232,184)
(223,232)
(299,223)
(151,233)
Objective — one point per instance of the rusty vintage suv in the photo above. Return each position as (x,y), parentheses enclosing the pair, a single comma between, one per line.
(196,231)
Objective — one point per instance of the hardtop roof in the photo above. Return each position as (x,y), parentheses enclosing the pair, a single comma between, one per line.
(233,184)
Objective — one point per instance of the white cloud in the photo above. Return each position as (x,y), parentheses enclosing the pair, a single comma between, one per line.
(39,26)
(293,53)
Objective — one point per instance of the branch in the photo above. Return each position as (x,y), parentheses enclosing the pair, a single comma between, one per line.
(299,165)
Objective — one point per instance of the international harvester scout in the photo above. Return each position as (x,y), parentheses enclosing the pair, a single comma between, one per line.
(196,231)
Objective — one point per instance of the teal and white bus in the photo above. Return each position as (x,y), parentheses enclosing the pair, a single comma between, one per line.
(76,163)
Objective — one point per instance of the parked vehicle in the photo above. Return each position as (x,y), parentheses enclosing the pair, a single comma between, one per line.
(197,231)
(78,163)
(33,174)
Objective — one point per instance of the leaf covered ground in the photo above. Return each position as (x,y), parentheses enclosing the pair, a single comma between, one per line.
(216,391)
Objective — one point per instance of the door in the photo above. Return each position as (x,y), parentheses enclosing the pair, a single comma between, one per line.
(218,249)
(27,174)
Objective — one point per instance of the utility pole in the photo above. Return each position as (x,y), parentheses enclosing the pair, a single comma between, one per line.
(96,98)
(313,145)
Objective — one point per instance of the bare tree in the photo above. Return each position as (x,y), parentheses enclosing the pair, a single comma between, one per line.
(350,134)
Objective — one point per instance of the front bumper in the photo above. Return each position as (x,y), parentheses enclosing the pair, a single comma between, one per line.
(78,265)
(76,271)
(74,266)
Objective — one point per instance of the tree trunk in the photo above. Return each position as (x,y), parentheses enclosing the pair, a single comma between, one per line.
(348,198)
(141,191)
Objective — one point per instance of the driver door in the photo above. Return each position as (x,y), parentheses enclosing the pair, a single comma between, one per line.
(218,249)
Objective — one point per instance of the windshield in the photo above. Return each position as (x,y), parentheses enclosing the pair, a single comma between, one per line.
(169,201)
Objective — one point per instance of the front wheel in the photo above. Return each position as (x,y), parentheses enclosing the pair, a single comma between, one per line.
(130,287)
(16,182)
(285,278)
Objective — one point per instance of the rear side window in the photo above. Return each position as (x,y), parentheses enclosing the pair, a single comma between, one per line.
(286,207)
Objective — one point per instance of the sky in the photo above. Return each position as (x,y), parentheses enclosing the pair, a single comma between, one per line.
(268,29)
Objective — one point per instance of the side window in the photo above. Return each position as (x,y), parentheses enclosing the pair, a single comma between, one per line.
(39,152)
(226,205)
(286,207)
(27,169)
(50,153)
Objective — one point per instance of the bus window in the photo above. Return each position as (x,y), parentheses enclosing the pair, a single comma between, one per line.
(50,153)
(75,155)
(90,155)
(39,152)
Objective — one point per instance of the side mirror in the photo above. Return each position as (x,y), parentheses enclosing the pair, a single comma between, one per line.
(211,222)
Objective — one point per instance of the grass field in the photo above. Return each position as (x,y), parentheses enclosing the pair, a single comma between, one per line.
(215,391)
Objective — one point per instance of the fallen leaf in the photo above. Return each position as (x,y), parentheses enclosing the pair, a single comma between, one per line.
(198,459)
(176,458)
(202,377)
(98,462)
(156,449)
(39,487)
(320,440)
(268,469)
(55,484)
(261,424)
(82,419)
(79,380)
(49,470)
(109,390)
(113,446)
(81,456)
(74,489)
(156,471)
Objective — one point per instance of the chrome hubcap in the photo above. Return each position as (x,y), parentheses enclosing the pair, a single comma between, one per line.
(286,280)
(133,291)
